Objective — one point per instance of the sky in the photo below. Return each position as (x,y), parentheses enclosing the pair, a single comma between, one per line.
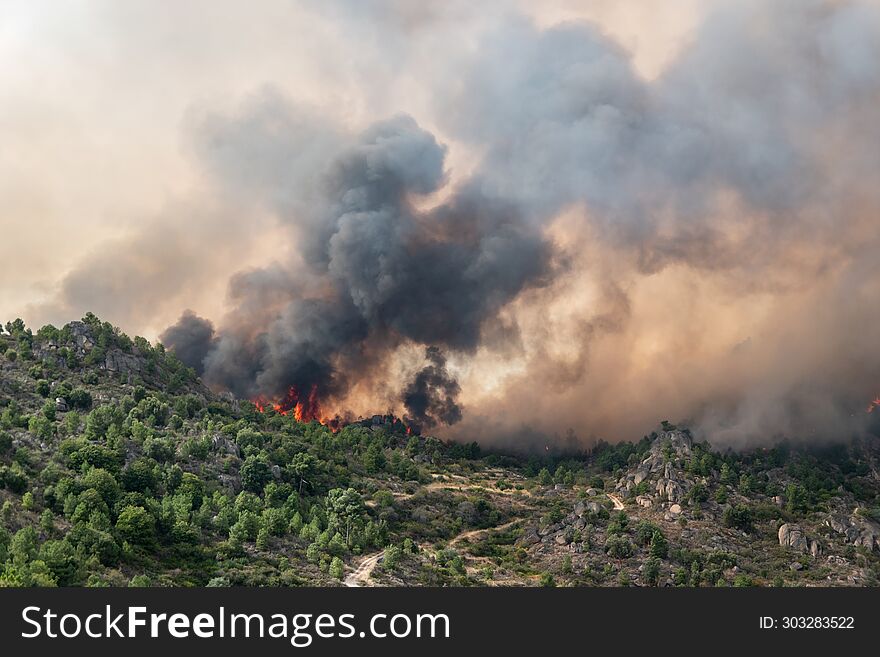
(692,181)
(96,98)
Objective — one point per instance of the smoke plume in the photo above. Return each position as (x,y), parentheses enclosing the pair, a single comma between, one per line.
(554,242)
(430,398)
(385,274)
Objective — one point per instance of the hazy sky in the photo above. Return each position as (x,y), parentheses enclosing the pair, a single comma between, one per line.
(96,99)
(703,172)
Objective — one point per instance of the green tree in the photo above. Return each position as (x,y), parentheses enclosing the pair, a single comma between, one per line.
(137,526)
(255,474)
(103,482)
(797,500)
(545,477)
(60,558)
(79,398)
(47,521)
(337,568)
(41,427)
(391,558)
(739,516)
(547,580)
(139,477)
(303,465)
(727,474)
(140,582)
(659,546)
(346,510)
(618,547)
(698,493)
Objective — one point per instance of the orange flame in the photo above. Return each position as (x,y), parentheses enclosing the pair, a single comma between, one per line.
(875,403)
(302,409)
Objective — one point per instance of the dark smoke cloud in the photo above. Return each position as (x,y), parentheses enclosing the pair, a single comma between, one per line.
(191,338)
(381,272)
(431,397)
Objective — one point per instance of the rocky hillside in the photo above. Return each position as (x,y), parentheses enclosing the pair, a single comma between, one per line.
(685,514)
(118,467)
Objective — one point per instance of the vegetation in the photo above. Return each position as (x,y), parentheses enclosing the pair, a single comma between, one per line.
(118,467)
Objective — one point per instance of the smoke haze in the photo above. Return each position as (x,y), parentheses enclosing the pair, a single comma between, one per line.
(525,234)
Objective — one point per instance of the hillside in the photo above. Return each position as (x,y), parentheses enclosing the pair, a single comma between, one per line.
(118,467)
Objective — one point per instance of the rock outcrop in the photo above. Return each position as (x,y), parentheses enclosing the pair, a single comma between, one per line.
(856,530)
(123,363)
(795,538)
(663,468)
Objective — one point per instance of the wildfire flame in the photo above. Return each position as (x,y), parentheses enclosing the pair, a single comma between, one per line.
(308,409)
(875,403)
(303,409)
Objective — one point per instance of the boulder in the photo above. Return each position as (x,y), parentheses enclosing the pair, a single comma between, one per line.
(61,404)
(856,529)
(225,445)
(670,490)
(644,501)
(82,335)
(119,361)
(675,509)
(593,507)
(793,537)
(551,529)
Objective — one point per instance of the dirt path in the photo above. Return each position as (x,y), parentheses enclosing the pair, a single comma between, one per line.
(618,505)
(477,532)
(361,575)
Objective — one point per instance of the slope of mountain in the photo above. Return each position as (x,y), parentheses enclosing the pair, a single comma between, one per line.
(118,467)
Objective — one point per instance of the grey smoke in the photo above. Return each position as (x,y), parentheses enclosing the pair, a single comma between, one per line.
(192,339)
(431,397)
(385,272)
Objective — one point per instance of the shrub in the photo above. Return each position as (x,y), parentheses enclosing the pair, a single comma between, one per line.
(41,427)
(43,388)
(618,547)
(739,516)
(391,558)
(659,545)
(5,442)
(79,398)
(547,580)
(651,572)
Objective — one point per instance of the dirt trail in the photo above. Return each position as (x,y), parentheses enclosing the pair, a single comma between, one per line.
(477,532)
(618,505)
(361,575)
